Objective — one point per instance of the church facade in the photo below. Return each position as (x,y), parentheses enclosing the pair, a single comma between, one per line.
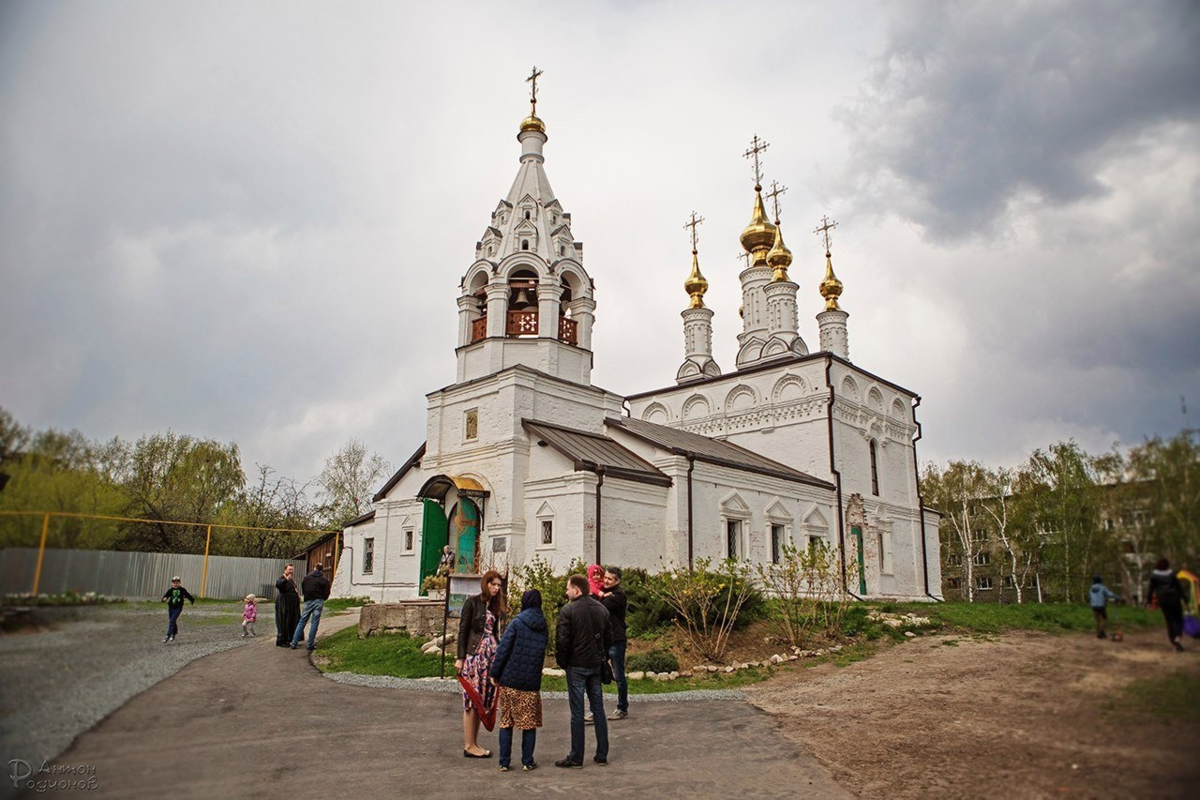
(525,458)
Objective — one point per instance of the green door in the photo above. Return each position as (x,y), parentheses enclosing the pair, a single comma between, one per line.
(466,533)
(862,572)
(433,539)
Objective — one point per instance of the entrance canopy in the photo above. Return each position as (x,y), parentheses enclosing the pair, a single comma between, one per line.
(436,487)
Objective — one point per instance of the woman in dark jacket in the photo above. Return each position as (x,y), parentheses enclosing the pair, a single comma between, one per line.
(1164,584)
(517,670)
(481,618)
(287,608)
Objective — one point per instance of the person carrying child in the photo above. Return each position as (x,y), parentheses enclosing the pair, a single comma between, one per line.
(249,617)
(1099,595)
(174,598)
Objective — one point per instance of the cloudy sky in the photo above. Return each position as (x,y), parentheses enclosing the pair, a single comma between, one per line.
(247,221)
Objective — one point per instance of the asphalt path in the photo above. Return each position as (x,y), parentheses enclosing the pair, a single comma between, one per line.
(261,719)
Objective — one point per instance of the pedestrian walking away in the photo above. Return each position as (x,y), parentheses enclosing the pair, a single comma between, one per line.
(1165,586)
(581,641)
(613,599)
(481,617)
(174,598)
(249,616)
(517,671)
(316,592)
(1099,595)
(287,607)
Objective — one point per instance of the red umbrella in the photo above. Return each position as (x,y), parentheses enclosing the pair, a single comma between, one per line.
(485,706)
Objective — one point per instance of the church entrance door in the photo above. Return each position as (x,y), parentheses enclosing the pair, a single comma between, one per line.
(433,539)
(464,535)
(858,547)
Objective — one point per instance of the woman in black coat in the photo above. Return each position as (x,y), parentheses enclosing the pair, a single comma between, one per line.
(1164,584)
(481,618)
(517,670)
(287,608)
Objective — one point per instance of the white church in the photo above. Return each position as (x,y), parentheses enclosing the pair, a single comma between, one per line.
(525,458)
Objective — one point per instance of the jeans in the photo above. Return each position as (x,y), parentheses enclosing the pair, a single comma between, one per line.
(616,654)
(582,680)
(528,740)
(312,609)
(173,620)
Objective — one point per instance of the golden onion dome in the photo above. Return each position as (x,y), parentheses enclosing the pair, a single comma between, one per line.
(695,285)
(759,235)
(831,287)
(779,258)
(533,123)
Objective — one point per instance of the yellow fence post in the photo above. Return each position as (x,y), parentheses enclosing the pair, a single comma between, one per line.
(204,580)
(37,572)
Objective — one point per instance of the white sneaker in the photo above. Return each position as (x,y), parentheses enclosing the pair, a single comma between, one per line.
(588,719)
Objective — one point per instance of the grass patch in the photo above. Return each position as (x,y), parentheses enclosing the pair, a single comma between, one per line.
(1046,617)
(337,605)
(395,654)
(234,620)
(1176,696)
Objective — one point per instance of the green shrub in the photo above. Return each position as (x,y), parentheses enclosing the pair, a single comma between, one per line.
(647,614)
(654,661)
(538,574)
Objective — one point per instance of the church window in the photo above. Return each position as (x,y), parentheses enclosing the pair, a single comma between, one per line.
(408,540)
(524,244)
(983,582)
(562,249)
(815,543)
(733,538)
(368,564)
(500,544)
(547,531)
(778,540)
(874,470)
(471,424)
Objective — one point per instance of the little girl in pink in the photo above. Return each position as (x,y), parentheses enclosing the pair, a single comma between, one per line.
(595,575)
(249,617)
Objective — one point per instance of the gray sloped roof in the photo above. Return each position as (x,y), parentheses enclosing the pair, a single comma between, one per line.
(594,452)
(713,451)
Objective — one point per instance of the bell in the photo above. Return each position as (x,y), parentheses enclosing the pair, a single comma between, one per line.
(522,299)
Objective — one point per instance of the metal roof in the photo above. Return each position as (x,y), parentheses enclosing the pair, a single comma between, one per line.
(713,451)
(595,453)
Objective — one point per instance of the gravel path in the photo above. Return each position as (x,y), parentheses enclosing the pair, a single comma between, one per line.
(87,661)
(451,686)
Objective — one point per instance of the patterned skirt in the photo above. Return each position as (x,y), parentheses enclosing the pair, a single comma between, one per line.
(520,709)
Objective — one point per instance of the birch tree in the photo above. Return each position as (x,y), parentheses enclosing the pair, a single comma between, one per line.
(958,492)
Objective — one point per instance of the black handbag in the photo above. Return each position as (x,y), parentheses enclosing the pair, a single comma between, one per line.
(606,670)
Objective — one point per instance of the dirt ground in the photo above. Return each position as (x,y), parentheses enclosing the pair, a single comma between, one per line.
(1019,715)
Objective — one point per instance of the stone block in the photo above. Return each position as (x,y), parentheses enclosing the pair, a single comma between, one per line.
(416,617)
(635,676)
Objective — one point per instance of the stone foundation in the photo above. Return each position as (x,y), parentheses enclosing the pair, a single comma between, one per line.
(420,618)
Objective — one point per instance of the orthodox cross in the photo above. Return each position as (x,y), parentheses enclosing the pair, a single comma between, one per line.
(776,189)
(532,80)
(757,146)
(823,230)
(692,223)
(745,257)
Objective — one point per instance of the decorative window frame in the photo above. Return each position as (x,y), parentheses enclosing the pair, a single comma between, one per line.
(546,514)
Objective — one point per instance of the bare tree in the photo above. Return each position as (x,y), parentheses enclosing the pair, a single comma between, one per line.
(348,481)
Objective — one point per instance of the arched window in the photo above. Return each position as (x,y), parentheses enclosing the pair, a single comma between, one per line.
(524,244)
(526,215)
(874,469)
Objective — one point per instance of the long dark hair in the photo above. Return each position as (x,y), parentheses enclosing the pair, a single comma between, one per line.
(495,604)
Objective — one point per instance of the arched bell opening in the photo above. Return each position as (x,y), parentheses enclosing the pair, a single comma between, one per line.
(477,310)
(522,303)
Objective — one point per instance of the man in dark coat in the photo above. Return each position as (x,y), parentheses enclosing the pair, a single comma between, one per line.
(1165,587)
(316,591)
(581,642)
(613,599)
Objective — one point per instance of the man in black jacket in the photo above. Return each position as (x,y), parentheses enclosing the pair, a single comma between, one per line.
(581,642)
(316,592)
(614,600)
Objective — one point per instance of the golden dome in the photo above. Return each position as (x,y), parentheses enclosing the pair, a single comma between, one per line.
(533,123)
(831,287)
(759,235)
(779,258)
(695,285)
